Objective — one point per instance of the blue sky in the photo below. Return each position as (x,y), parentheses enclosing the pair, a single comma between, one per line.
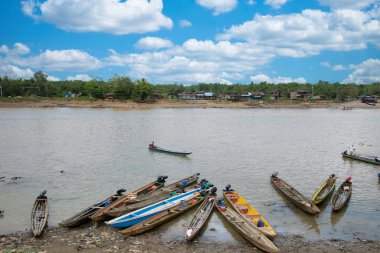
(192,41)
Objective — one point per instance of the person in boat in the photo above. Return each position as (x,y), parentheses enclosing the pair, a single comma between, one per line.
(260,223)
(152,145)
(347,186)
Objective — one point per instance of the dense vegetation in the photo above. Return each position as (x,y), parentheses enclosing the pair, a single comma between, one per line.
(124,88)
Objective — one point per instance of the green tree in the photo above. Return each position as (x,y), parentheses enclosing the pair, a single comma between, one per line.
(122,86)
(96,88)
(143,89)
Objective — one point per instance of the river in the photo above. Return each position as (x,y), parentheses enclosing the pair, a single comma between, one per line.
(102,150)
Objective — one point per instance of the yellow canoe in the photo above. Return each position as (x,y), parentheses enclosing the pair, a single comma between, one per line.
(241,206)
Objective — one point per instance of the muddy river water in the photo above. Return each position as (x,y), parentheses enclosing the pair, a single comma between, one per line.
(102,150)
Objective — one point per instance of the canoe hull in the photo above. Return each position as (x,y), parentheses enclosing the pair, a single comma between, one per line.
(371,160)
(163,217)
(248,212)
(341,196)
(323,192)
(200,218)
(248,230)
(142,214)
(40,214)
(171,152)
(295,196)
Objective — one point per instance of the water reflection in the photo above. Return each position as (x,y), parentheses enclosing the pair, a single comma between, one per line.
(336,216)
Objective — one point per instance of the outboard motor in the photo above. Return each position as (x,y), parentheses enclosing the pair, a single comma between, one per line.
(43,193)
(332,176)
(275,174)
(228,187)
(120,191)
(161,179)
(213,190)
(179,190)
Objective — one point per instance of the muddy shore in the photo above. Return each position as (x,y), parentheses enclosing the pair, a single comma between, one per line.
(87,239)
(172,103)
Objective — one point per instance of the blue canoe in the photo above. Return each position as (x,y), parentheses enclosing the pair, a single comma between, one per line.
(142,214)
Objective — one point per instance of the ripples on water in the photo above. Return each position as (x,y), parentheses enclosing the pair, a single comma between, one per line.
(103,150)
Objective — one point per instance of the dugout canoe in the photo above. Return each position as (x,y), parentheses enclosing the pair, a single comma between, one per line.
(323,192)
(167,151)
(164,216)
(294,196)
(40,214)
(84,215)
(245,228)
(142,214)
(201,216)
(368,159)
(247,211)
(132,197)
(342,196)
(121,208)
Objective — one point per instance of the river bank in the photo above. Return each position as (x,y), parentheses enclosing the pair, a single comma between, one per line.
(173,103)
(104,239)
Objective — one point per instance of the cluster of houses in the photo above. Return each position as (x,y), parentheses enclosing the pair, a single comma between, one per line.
(233,96)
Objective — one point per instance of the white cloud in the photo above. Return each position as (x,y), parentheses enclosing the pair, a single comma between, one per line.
(18,49)
(276,4)
(15,72)
(194,61)
(348,4)
(338,67)
(185,23)
(80,77)
(365,73)
(59,60)
(309,32)
(150,43)
(251,2)
(116,16)
(264,78)
(53,78)
(219,6)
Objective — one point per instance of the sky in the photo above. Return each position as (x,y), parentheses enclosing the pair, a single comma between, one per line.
(192,41)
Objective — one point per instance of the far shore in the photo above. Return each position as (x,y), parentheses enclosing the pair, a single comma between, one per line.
(174,103)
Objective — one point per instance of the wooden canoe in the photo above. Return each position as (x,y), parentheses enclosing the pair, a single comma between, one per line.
(248,230)
(84,215)
(142,214)
(132,197)
(167,151)
(295,196)
(342,196)
(241,206)
(40,214)
(164,216)
(124,207)
(323,192)
(201,216)
(368,159)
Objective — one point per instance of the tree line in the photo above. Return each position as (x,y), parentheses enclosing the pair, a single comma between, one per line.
(122,87)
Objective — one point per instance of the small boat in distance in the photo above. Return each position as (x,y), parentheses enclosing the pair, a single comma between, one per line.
(342,195)
(153,147)
(368,159)
(325,190)
(40,214)
(294,196)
